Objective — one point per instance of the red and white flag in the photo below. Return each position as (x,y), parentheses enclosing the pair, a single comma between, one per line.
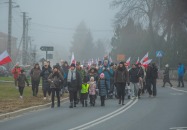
(137,60)
(5,58)
(128,61)
(145,58)
(73,59)
(145,64)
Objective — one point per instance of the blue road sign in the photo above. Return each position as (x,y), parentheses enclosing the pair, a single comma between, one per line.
(159,54)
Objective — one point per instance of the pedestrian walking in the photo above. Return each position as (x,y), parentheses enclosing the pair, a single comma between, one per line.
(181,71)
(65,68)
(74,84)
(16,71)
(134,80)
(121,78)
(151,78)
(82,74)
(46,71)
(84,92)
(92,91)
(108,72)
(140,76)
(35,78)
(166,78)
(21,82)
(102,86)
(55,79)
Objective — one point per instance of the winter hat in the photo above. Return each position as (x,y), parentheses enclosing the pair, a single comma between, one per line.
(72,65)
(121,62)
(102,75)
(55,67)
(92,79)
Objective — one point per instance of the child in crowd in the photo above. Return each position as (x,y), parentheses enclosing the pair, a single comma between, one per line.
(102,86)
(84,92)
(21,82)
(92,91)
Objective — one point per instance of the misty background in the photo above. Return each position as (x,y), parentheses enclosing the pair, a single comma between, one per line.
(94,28)
(53,22)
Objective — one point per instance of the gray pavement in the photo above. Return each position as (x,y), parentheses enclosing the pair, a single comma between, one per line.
(167,110)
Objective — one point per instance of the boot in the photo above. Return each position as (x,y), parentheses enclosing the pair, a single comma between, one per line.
(123,102)
(86,104)
(71,105)
(119,101)
(75,104)
(103,102)
(83,103)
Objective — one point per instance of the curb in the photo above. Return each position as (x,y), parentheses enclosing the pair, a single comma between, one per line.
(22,111)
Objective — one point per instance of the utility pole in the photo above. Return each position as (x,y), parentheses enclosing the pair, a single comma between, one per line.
(9,29)
(24,40)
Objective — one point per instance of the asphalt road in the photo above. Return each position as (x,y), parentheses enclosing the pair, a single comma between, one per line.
(166,111)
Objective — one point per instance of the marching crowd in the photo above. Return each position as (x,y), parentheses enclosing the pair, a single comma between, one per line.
(105,79)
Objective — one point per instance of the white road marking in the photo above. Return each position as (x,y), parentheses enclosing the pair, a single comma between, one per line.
(176,94)
(178,90)
(178,128)
(106,117)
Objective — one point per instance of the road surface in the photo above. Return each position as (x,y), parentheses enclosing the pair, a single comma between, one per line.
(167,111)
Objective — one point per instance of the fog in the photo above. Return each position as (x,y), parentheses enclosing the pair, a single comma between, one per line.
(53,22)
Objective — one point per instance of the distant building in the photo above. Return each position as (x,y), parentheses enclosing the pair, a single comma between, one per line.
(4,43)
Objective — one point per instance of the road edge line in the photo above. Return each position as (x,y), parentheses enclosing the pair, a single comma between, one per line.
(24,110)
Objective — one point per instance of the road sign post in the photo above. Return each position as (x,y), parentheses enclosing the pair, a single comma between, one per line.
(159,55)
(46,49)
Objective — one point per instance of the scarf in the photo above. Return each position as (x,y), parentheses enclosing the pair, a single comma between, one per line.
(71,75)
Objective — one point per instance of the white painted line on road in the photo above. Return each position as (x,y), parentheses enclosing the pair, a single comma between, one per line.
(106,117)
(178,90)
(178,128)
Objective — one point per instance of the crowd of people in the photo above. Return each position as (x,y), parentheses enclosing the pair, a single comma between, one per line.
(105,79)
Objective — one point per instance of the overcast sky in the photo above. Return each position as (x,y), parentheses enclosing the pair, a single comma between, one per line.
(54,21)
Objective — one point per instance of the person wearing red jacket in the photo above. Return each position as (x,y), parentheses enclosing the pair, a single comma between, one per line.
(16,71)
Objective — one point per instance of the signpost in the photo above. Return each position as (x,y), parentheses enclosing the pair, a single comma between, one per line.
(159,55)
(46,49)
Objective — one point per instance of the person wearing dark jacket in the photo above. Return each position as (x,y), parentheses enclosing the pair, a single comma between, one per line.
(121,78)
(140,74)
(46,71)
(134,79)
(74,84)
(55,79)
(35,78)
(65,68)
(166,76)
(151,76)
(102,86)
(21,83)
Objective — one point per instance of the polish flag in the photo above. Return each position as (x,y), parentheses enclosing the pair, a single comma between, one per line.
(145,64)
(137,60)
(128,61)
(73,59)
(5,58)
(144,59)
